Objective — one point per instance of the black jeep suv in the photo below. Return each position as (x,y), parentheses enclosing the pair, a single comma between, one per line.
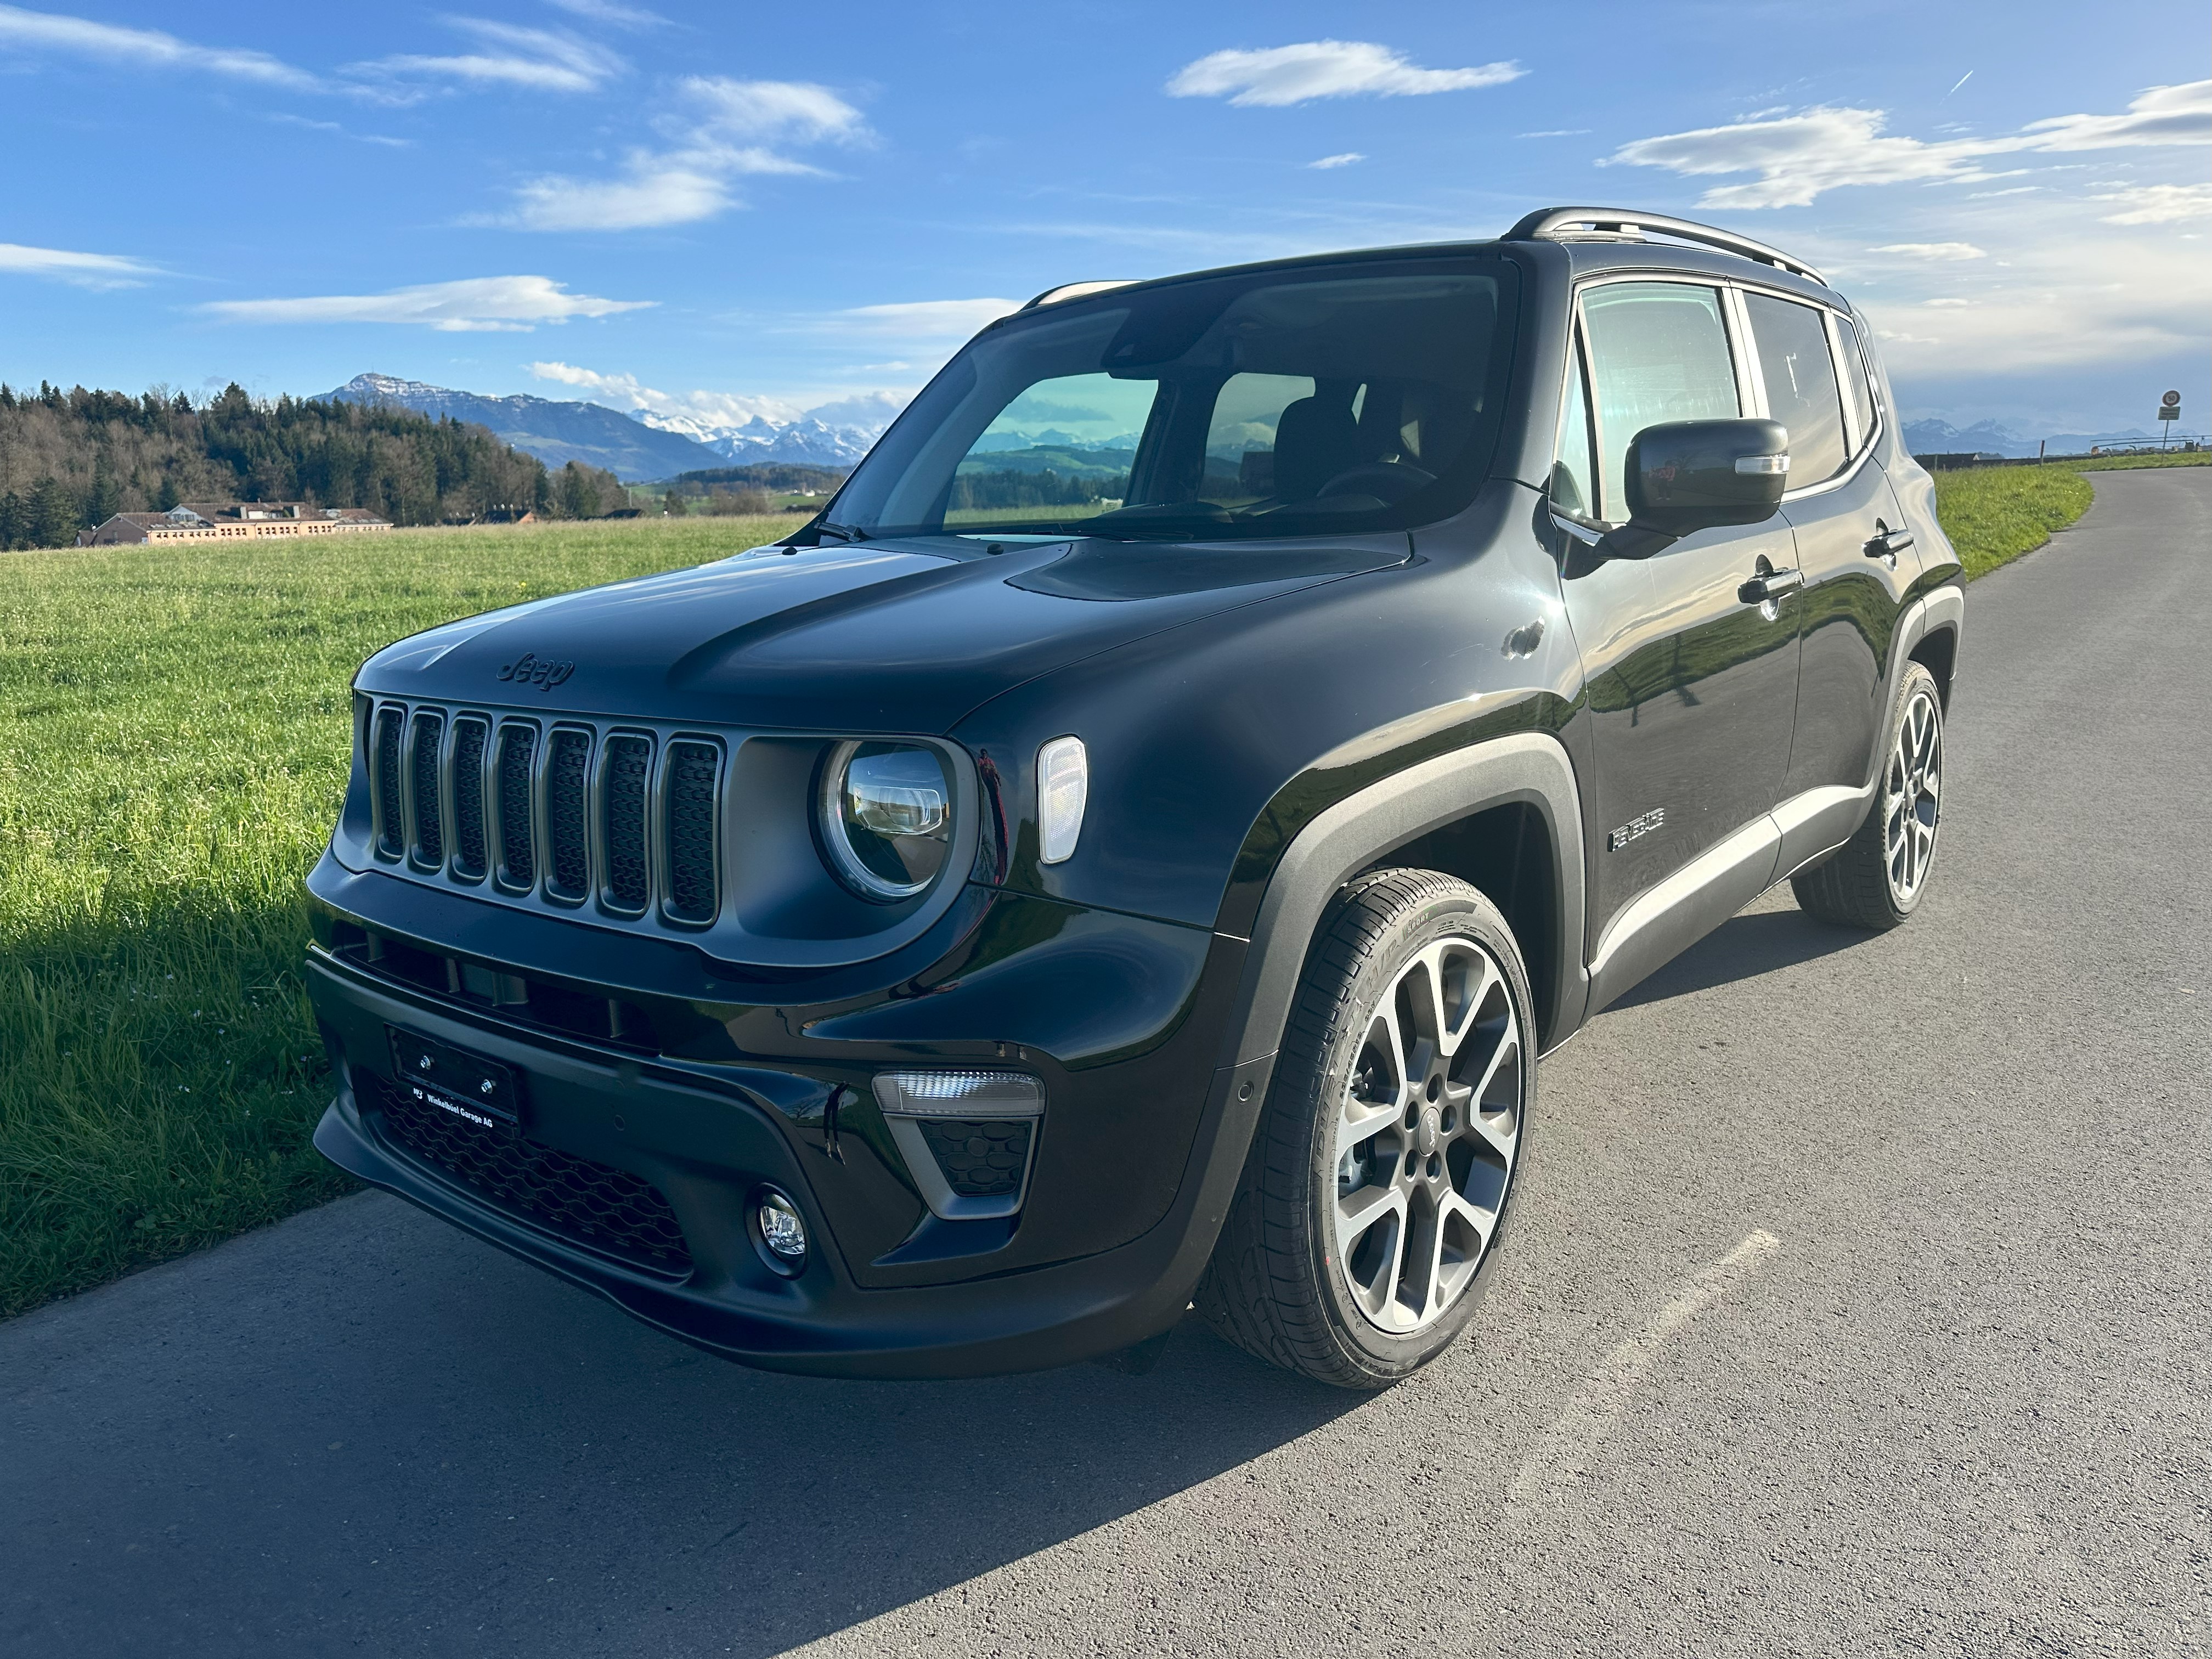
(1131,849)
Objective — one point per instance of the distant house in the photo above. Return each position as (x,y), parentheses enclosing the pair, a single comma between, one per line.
(203,521)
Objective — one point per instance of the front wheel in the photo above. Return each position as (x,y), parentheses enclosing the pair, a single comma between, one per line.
(1370,1208)
(1876,879)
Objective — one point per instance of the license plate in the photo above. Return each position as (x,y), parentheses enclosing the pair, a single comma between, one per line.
(481,1093)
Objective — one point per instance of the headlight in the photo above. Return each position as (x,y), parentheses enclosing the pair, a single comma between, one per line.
(886,815)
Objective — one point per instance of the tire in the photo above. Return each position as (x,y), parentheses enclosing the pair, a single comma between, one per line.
(1307,1274)
(1877,878)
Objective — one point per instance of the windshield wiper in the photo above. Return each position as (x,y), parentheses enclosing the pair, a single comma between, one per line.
(843,532)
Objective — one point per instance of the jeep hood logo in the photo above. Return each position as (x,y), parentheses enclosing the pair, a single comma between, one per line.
(530,669)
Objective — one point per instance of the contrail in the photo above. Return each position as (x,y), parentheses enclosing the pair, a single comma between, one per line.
(1960,82)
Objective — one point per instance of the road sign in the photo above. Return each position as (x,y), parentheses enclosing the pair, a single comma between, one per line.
(2169,411)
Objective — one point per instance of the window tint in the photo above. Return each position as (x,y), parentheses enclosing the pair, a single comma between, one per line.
(1574,474)
(1865,416)
(1350,396)
(1059,452)
(1658,352)
(1801,385)
(1240,440)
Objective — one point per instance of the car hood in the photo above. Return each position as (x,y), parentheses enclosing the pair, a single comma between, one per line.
(896,636)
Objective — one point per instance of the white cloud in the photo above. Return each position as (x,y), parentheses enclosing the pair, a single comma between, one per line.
(1343,160)
(79,270)
(797,110)
(2159,205)
(144,48)
(710,409)
(1799,156)
(1280,76)
(1555,132)
(2163,115)
(654,194)
(501,304)
(869,410)
(707,414)
(606,11)
(925,318)
(720,130)
(552,60)
(1932,250)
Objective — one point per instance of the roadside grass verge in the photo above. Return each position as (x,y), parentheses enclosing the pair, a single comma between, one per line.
(1993,514)
(176,746)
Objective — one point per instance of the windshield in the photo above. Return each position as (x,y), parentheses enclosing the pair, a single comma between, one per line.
(1338,398)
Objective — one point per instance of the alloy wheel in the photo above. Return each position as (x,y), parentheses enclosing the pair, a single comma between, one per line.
(1427,1136)
(1912,798)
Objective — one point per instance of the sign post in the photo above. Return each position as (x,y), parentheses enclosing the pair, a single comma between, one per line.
(2169,411)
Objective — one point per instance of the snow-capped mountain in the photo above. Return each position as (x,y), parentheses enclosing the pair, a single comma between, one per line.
(556,433)
(806,439)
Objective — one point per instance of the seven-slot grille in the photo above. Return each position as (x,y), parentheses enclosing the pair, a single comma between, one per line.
(560,810)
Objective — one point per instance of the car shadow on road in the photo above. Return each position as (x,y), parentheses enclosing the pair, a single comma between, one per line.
(435,1439)
(1756,943)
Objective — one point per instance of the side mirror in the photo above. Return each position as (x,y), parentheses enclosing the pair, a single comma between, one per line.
(1688,475)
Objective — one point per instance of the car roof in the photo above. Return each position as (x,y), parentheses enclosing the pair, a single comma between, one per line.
(1588,256)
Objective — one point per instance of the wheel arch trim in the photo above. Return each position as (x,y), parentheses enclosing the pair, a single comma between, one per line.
(1352,835)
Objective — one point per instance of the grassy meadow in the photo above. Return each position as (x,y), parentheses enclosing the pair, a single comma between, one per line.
(176,738)
(175,746)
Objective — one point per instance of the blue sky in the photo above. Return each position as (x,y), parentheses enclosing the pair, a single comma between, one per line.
(720,209)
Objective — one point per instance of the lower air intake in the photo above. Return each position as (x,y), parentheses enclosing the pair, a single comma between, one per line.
(982,1157)
(611,1211)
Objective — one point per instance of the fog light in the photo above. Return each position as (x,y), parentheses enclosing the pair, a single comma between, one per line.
(782,1233)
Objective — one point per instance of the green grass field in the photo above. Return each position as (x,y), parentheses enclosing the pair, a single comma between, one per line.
(177,735)
(176,746)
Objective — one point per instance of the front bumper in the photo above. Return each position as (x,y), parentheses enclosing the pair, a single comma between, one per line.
(709,1136)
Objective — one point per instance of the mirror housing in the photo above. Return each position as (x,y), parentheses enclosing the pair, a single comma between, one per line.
(1688,476)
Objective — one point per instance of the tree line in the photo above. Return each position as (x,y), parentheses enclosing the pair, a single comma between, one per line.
(71,460)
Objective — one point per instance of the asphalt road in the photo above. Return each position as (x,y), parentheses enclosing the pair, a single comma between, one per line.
(1860,1303)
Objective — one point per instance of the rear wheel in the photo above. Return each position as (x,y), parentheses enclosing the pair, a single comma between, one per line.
(1876,878)
(1370,1208)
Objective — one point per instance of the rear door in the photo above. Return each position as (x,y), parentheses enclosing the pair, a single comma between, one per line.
(1692,689)
(1809,377)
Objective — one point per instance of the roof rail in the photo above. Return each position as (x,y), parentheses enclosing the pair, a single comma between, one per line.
(1546,224)
(1052,296)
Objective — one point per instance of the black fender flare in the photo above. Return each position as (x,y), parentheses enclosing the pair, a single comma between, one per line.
(1357,831)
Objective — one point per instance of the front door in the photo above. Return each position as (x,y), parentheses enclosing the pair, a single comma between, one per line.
(1692,688)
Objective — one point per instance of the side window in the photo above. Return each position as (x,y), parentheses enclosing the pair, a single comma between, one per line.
(1241,438)
(1658,352)
(1865,415)
(1574,473)
(1802,393)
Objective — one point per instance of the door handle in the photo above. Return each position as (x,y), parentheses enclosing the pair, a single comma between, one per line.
(1770,585)
(1888,543)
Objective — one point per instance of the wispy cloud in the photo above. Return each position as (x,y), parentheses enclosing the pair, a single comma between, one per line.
(1344,159)
(507,54)
(111,43)
(79,270)
(2159,205)
(606,11)
(1280,76)
(1941,250)
(1798,157)
(719,131)
(923,319)
(1555,132)
(499,304)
